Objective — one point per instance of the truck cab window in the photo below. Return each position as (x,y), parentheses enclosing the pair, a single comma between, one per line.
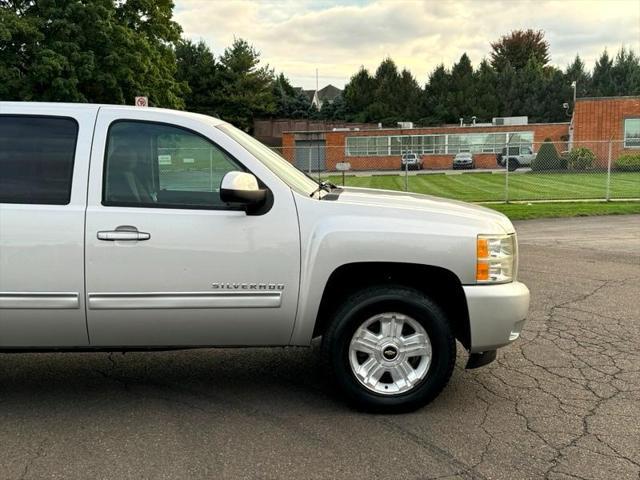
(158,165)
(36,159)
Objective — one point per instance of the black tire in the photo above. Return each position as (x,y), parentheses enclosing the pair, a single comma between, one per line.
(380,299)
(513,165)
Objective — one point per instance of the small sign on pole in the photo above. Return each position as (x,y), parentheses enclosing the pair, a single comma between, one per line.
(343,167)
(142,102)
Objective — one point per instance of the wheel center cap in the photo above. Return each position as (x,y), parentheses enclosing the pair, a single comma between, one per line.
(389,352)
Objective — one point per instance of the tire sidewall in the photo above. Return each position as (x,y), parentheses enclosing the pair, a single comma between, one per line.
(420,309)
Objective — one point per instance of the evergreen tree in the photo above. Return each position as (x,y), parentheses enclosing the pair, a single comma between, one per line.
(358,95)
(461,99)
(408,96)
(625,73)
(386,105)
(290,102)
(435,110)
(507,88)
(198,68)
(555,92)
(602,79)
(487,100)
(335,110)
(576,72)
(246,87)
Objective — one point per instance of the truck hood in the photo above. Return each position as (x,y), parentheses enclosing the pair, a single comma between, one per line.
(424,203)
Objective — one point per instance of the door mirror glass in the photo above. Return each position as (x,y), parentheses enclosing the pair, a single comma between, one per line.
(241,188)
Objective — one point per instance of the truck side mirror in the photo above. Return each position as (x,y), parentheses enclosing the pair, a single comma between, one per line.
(241,188)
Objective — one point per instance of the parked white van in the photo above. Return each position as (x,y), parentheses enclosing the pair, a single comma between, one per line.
(127,228)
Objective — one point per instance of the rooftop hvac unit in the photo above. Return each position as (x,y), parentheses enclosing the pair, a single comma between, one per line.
(510,121)
(405,124)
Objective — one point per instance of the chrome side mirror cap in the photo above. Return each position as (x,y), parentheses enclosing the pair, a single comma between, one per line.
(241,188)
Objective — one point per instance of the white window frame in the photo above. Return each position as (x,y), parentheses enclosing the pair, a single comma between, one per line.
(625,133)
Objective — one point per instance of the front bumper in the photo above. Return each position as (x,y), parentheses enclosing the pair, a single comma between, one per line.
(496,314)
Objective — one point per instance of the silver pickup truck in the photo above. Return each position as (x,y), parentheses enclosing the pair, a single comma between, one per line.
(138,228)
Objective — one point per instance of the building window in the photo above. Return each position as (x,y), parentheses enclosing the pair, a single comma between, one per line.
(438,144)
(632,133)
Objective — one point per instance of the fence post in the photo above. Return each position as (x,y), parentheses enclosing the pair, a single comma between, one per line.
(608,195)
(406,176)
(506,177)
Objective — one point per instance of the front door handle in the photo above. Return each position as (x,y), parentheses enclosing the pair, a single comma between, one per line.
(123,233)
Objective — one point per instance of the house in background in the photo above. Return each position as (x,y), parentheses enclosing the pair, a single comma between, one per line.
(327,94)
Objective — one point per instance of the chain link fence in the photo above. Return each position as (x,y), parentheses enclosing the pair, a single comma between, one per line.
(523,171)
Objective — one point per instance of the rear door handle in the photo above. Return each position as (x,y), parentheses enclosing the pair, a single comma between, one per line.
(123,233)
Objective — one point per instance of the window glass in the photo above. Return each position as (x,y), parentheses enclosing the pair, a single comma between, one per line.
(371,146)
(396,145)
(383,145)
(36,159)
(156,165)
(274,162)
(632,133)
(436,144)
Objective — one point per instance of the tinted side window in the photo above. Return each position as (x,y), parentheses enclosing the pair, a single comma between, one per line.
(36,159)
(157,165)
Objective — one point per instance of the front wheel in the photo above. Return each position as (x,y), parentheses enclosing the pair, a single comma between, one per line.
(389,349)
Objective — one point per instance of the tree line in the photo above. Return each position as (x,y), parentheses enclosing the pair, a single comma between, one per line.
(109,51)
(516,79)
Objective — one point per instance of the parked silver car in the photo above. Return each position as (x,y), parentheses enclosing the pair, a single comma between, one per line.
(464,160)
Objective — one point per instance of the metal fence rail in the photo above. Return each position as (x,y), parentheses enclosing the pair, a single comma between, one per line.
(524,172)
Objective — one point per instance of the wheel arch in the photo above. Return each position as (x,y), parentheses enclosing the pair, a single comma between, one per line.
(440,284)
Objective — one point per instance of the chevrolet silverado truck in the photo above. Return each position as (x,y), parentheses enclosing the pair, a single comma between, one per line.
(125,228)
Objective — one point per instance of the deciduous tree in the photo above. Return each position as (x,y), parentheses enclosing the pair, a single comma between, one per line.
(518,48)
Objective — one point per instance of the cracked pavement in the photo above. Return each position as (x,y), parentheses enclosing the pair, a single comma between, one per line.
(561,403)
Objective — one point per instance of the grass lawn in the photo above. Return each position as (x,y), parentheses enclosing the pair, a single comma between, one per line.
(486,187)
(520,211)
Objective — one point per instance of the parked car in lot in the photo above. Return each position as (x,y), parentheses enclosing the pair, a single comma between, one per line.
(463,160)
(411,161)
(519,156)
(140,228)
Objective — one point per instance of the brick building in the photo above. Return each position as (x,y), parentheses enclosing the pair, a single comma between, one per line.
(600,120)
(595,121)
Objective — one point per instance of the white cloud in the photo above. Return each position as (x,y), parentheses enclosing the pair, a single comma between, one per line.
(298,36)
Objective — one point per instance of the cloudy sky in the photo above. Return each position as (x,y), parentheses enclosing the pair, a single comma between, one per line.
(338,36)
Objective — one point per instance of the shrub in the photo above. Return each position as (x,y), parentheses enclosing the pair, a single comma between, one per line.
(628,163)
(581,158)
(548,158)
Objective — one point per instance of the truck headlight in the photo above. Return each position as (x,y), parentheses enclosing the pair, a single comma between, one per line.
(496,258)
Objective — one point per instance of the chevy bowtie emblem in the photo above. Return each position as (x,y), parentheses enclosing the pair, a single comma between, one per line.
(389,353)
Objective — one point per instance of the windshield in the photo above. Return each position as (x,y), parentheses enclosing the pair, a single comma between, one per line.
(274,162)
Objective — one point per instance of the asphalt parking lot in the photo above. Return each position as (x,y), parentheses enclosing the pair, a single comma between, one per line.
(562,403)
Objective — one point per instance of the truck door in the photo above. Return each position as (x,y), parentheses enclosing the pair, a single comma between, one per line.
(44,161)
(167,262)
